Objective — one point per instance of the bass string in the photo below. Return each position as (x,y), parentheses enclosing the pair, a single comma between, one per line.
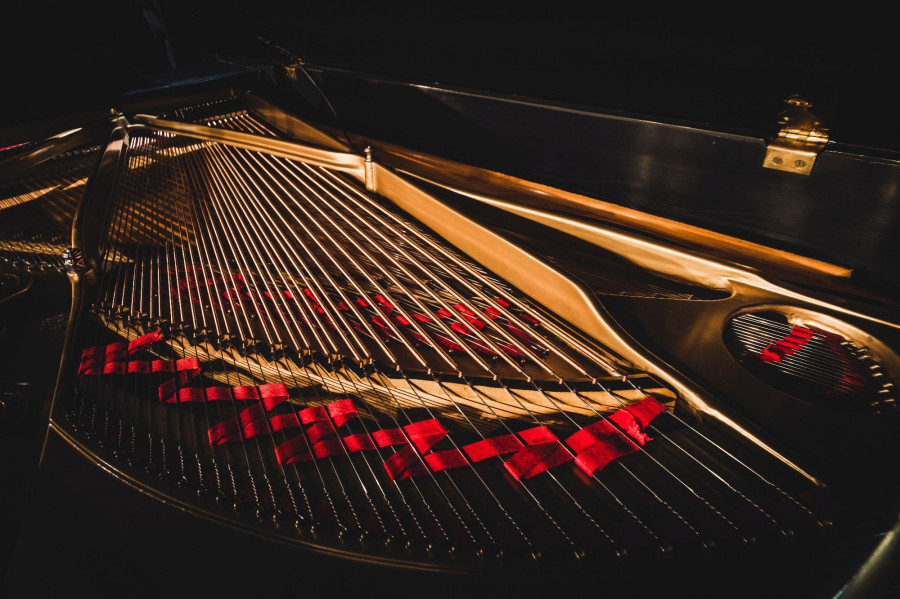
(337,265)
(301,296)
(226,216)
(298,294)
(322,479)
(307,215)
(397,334)
(407,293)
(501,506)
(217,227)
(272,284)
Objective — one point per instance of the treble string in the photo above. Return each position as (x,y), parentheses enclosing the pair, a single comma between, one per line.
(498,307)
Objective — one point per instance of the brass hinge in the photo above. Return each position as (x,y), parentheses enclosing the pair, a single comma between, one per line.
(293,71)
(800,139)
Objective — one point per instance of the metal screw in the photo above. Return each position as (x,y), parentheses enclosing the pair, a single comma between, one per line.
(777,160)
(799,163)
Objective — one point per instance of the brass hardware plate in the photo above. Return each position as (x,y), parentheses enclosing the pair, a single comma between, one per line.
(791,160)
(800,139)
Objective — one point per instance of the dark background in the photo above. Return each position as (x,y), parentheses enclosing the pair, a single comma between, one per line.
(727,65)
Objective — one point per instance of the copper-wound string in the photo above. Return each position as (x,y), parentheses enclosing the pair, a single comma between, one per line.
(260,267)
(311,310)
(339,248)
(347,277)
(297,294)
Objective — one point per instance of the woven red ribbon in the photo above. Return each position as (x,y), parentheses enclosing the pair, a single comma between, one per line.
(414,459)
(787,345)
(251,421)
(186,370)
(597,445)
(540,451)
(113,358)
(320,440)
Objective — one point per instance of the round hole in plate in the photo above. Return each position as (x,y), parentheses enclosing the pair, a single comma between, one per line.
(810,362)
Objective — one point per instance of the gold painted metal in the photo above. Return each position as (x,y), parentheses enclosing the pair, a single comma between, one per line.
(370,177)
(528,193)
(84,242)
(340,161)
(558,293)
(291,125)
(800,139)
(667,260)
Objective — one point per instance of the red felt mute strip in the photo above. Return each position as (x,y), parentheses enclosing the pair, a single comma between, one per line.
(541,452)
(251,421)
(144,341)
(787,345)
(271,394)
(319,441)
(423,435)
(600,443)
(110,359)
(186,369)
(97,367)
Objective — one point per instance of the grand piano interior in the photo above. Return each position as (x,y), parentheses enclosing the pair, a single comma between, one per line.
(340,299)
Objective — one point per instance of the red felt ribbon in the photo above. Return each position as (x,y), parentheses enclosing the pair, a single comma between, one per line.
(252,420)
(319,441)
(98,366)
(492,447)
(600,443)
(111,358)
(186,369)
(421,436)
(541,452)
(644,412)
(787,345)
(144,341)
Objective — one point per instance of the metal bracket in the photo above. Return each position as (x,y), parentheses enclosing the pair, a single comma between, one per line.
(73,260)
(799,141)
(371,183)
